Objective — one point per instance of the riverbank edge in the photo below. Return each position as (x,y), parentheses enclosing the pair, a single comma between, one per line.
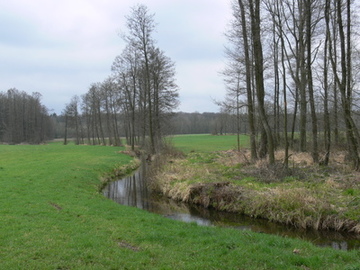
(118,172)
(226,196)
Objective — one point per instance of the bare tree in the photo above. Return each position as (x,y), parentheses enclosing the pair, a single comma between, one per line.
(147,78)
(141,25)
(305,38)
(254,8)
(344,82)
(239,71)
(137,97)
(327,129)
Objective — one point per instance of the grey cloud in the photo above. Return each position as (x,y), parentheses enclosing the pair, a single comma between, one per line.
(60,57)
(19,32)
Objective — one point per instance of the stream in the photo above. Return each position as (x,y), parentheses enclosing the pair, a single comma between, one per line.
(133,191)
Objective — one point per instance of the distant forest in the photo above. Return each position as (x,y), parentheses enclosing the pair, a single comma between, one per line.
(24,119)
(177,123)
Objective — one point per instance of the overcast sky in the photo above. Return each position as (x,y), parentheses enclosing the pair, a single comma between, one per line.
(58,48)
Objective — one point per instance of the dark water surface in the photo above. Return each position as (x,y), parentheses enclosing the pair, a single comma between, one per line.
(133,191)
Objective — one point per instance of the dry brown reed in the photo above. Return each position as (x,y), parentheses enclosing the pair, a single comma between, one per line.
(320,204)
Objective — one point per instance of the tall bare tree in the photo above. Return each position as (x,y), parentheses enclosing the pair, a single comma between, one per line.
(141,26)
(239,71)
(254,8)
(344,82)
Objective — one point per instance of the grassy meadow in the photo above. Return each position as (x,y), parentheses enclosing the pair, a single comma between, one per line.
(207,143)
(52,216)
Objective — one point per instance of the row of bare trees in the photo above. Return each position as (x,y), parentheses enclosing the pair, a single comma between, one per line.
(23,119)
(136,99)
(299,59)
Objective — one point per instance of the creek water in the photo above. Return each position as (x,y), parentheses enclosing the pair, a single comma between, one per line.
(134,191)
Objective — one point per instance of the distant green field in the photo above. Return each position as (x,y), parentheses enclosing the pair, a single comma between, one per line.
(53,217)
(208,143)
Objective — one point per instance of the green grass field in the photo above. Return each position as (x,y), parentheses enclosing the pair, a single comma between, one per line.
(53,217)
(208,143)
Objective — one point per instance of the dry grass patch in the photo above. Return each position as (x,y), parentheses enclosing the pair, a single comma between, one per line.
(233,157)
(173,179)
(297,206)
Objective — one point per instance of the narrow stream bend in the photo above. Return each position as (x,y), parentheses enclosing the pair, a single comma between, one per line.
(133,191)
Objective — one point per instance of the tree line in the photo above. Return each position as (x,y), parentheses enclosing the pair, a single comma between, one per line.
(23,118)
(136,98)
(178,123)
(293,65)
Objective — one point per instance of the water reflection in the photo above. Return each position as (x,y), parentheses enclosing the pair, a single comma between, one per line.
(130,191)
(133,191)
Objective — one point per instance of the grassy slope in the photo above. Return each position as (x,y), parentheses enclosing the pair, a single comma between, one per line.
(52,217)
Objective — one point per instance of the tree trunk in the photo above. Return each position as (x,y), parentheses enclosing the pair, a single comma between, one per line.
(259,75)
(343,83)
(327,131)
(65,131)
(250,104)
(315,153)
